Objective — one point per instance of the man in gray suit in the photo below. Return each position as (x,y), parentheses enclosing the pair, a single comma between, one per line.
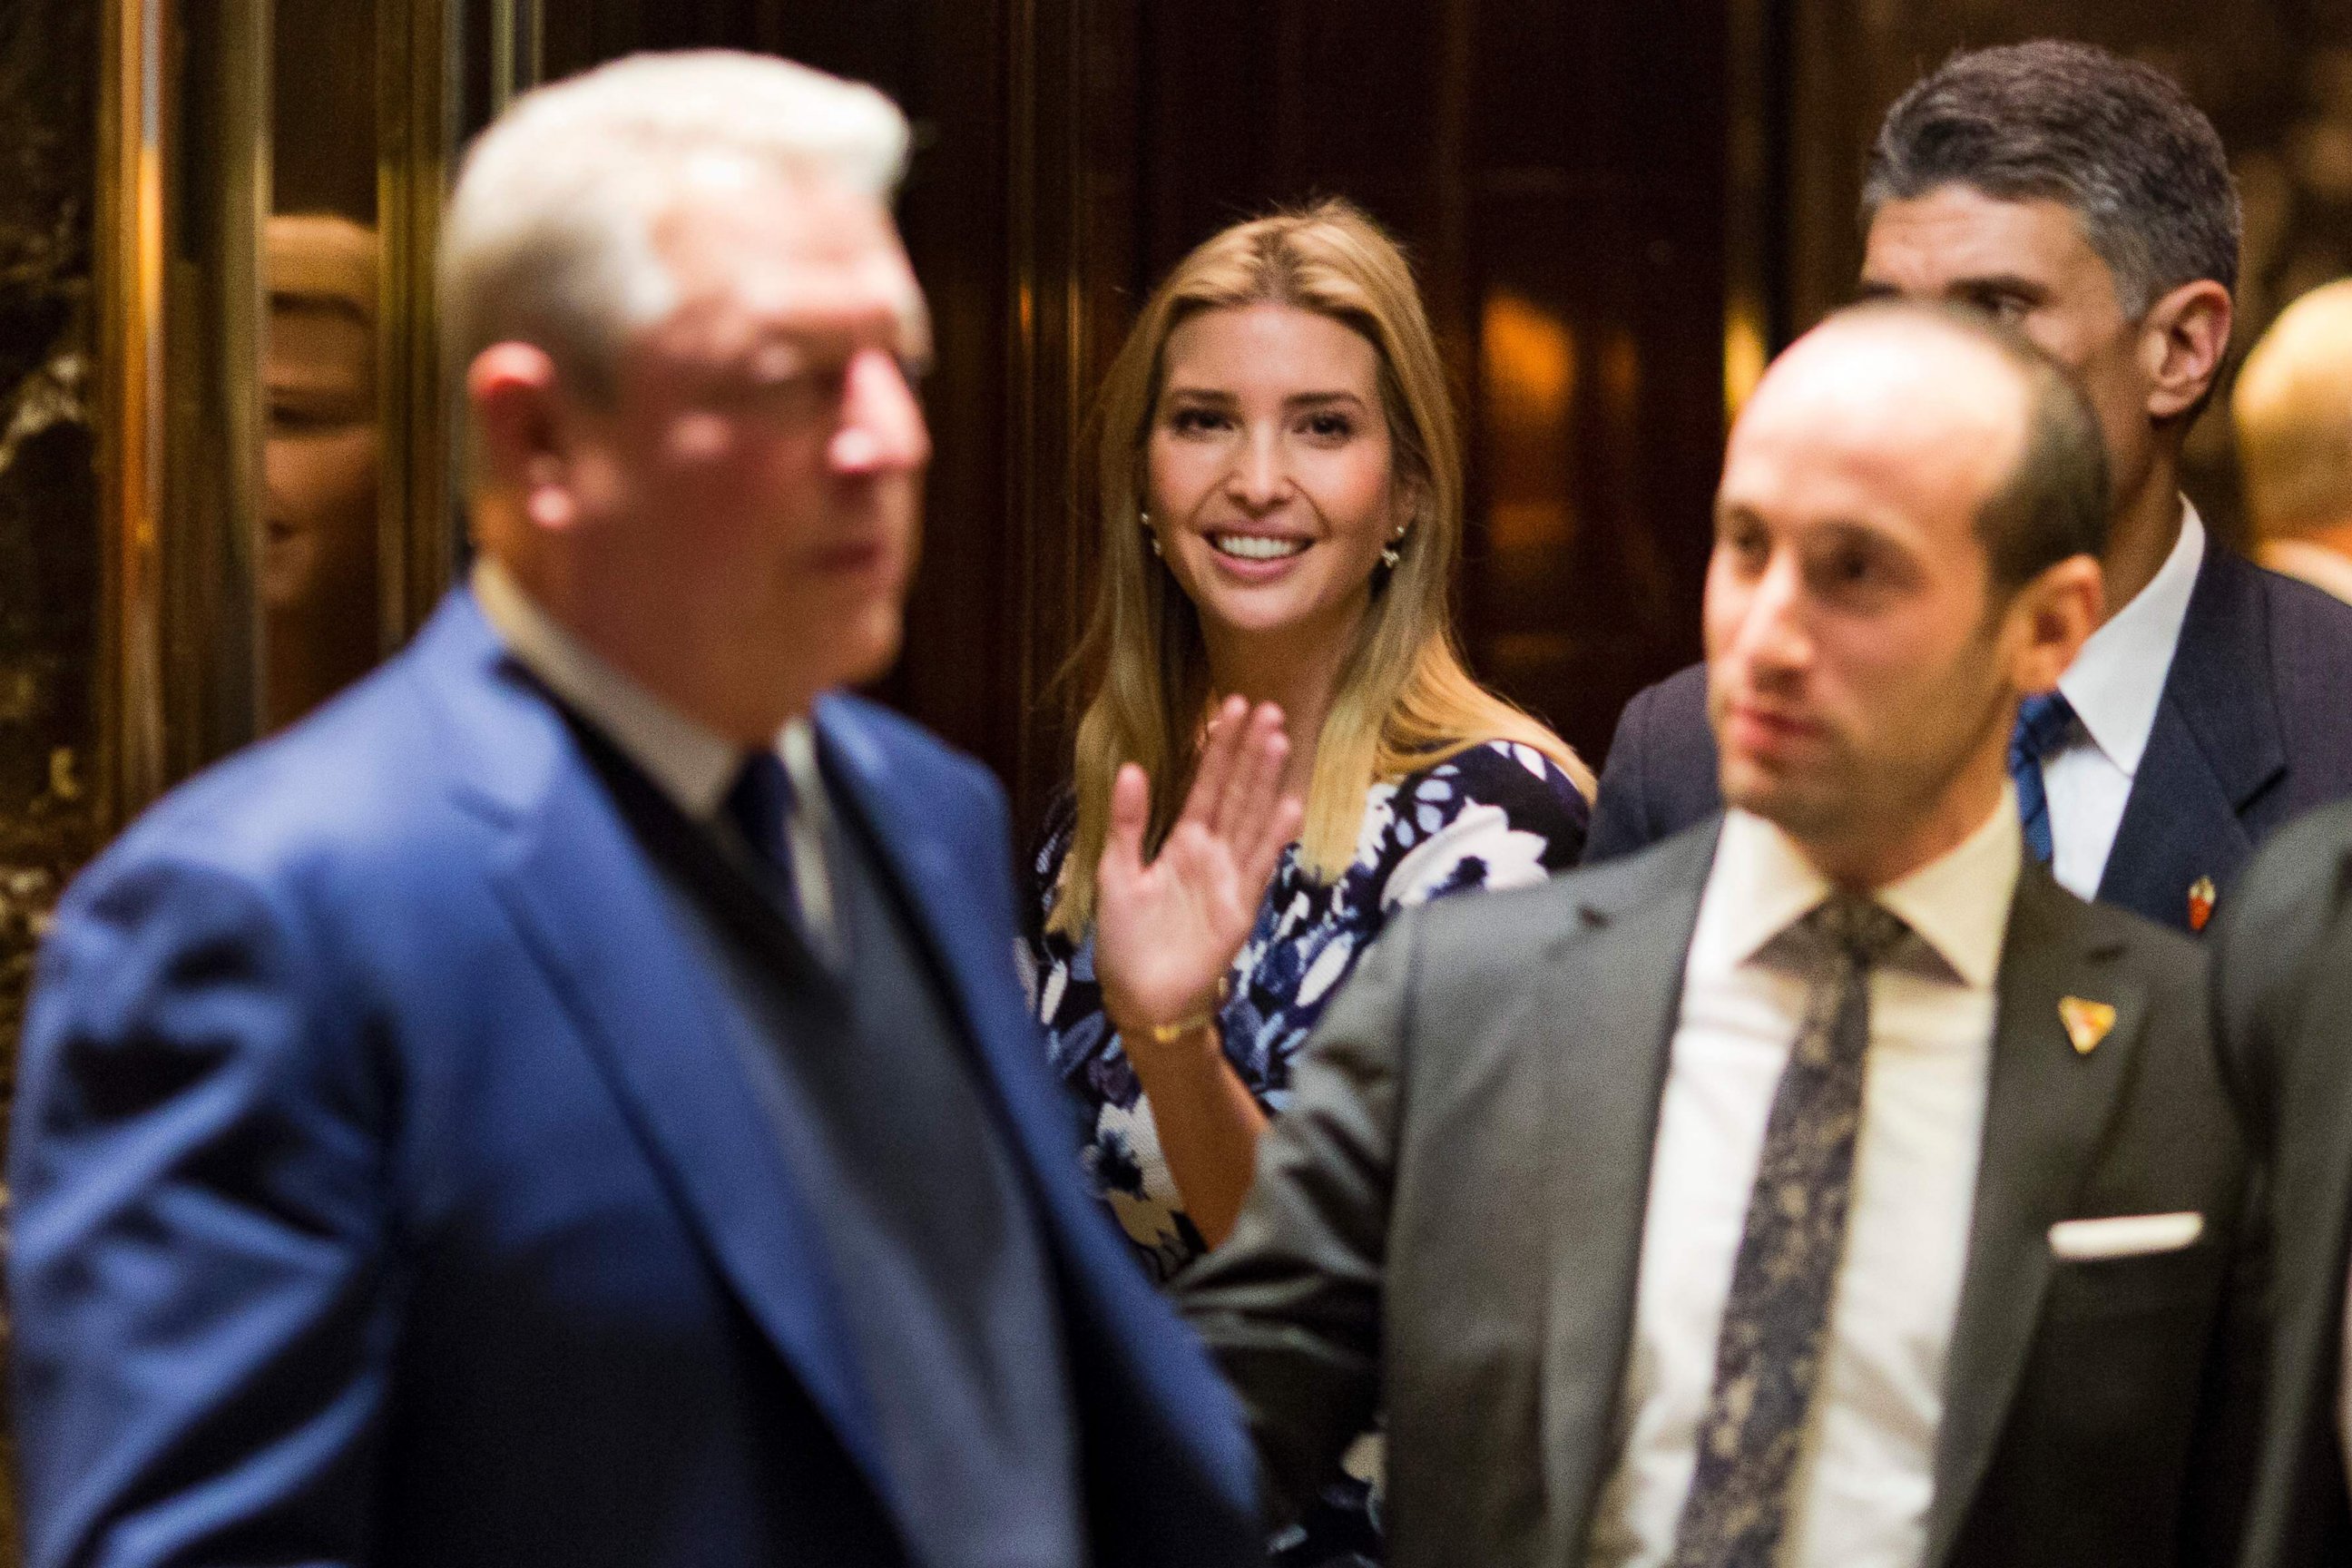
(2283,1010)
(1967,1315)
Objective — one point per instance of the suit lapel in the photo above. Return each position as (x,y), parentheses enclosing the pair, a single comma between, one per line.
(2215,745)
(1123,1333)
(593,910)
(1607,1015)
(973,952)
(2046,1112)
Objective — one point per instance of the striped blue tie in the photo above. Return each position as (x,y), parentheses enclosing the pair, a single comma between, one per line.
(2043,722)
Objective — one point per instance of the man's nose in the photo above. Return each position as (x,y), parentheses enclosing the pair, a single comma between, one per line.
(881,428)
(1770,634)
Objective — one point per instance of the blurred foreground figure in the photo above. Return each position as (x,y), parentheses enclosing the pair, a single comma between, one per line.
(2085,200)
(1825,1186)
(2293,410)
(2283,1009)
(570,1101)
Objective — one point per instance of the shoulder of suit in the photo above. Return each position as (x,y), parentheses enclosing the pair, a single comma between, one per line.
(1539,918)
(346,777)
(2311,634)
(2306,867)
(2104,933)
(1679,699)
(887,744)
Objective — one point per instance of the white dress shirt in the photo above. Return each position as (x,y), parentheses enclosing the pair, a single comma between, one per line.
(689,764)
(1861,1494)
(2115,686)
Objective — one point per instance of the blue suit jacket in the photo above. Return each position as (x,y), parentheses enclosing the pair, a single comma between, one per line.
(388,1188)
(2254,727)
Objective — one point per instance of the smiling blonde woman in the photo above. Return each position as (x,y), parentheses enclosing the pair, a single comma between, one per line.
(1280,494)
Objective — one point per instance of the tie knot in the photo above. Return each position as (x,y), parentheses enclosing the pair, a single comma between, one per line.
(2043,721)
(760,802)
(1863,930)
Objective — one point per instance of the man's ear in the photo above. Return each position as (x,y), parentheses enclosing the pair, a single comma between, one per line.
(2054,616)
(520,419)
(2183,338)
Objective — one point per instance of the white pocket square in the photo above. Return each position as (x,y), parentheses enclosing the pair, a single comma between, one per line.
(2124,1235)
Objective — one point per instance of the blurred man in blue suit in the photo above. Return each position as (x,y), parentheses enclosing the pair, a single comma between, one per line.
(571,1101)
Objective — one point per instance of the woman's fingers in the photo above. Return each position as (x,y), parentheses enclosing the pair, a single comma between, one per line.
(1251,787)
(1130,813)
(1218,750)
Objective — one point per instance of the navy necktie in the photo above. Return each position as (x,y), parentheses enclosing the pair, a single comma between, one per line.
(759,806)
(2043,721)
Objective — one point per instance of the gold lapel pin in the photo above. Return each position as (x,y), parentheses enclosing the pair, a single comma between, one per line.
(2200,902)
(2088,1023)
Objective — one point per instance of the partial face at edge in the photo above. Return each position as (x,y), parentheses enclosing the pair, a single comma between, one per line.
(1857,664)
(1272,484)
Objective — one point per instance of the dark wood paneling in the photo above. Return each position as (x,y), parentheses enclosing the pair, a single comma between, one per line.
(1556,171)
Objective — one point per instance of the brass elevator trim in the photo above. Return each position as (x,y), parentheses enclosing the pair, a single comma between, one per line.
(128,286)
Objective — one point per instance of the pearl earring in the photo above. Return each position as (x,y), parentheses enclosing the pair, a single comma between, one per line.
(1390,552)
(1150,537)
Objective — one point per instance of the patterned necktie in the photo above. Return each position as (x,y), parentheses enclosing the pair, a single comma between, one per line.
(1767,1356)
(2043,722)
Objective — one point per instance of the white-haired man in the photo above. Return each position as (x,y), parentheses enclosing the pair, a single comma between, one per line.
(570,1101)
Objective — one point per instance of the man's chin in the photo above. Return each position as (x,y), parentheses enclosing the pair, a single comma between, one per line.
(868,651)
(1777,796)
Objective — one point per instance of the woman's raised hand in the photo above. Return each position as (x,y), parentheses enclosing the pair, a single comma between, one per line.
(1166,932)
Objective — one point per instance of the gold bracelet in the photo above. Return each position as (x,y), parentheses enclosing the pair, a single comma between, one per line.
(1169,1034)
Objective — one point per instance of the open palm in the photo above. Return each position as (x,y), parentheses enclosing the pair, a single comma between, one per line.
(1166,931)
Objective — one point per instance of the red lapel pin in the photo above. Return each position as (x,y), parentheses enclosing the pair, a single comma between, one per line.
(2200,902)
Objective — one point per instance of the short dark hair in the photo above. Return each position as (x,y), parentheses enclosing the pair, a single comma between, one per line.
(2117,142)
(2055,502)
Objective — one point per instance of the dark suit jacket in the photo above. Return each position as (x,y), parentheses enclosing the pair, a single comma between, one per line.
(390,1187)
(1448,1219)
(2254,727)
(2283,1013)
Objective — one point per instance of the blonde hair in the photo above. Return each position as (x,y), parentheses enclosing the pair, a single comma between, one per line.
(2293,409)
(1404,701)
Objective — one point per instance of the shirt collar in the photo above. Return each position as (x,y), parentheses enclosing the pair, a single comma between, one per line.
(692,766)
(2116,682)
(1761,884)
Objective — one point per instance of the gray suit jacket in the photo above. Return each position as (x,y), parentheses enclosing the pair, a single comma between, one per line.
(2283,1013)
(1448,1219)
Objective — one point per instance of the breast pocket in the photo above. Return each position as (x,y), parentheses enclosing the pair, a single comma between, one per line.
(2119,1360)
(2153,1284)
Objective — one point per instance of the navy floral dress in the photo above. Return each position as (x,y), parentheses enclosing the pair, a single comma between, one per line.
(1499,815)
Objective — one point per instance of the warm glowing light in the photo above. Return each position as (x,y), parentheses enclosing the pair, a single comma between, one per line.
(1528,356)
(1530,362)
(1743,359)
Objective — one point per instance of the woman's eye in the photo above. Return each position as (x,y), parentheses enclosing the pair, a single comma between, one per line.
(1331,426)
(1195,421)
